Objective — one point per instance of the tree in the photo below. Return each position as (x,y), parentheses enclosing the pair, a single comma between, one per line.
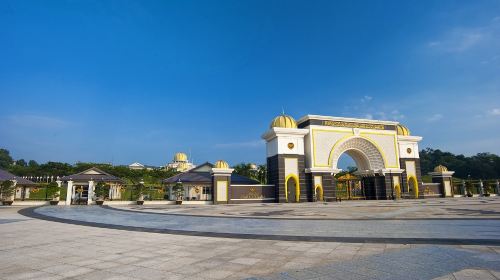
(178,189)
(53,190)
(5,158)
(21,162)
(32,163)
(55,169)
(249,170)
(244,169)
(262,174)
(101,190)
(139,189)
(7,189)
(481,165)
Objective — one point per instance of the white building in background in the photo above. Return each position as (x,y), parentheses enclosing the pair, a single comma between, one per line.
(180,163)
(140,166)
(136,166)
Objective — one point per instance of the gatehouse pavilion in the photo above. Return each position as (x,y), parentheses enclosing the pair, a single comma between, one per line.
(302,157)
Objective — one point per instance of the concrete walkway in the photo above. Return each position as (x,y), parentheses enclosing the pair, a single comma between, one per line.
(428,231)
(33,248)
(448,208)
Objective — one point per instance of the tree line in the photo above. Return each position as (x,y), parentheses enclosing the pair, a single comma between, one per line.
(479,166)
(22,168)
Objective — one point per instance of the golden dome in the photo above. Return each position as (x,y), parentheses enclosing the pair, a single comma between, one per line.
(221,164)
(440,168)
(403,130)
(182,166)
(182,157)
(284,121)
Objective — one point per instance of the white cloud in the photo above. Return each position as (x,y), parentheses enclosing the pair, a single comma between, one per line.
(396,115)
(458,40)
(366,99)
(434,118)
(461,39)
(495,112)
(37,121)
(492,60)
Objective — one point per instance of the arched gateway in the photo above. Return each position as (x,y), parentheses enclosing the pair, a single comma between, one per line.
(308,151)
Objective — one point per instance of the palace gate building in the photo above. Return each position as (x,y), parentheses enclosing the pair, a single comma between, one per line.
(303,156)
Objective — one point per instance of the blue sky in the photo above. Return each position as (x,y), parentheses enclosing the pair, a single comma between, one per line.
(125,81)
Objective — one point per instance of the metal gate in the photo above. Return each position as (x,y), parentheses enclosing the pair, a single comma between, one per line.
(350,187)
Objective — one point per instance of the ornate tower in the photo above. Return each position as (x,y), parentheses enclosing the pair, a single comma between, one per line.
(286,160)
(221,181)
(409,160)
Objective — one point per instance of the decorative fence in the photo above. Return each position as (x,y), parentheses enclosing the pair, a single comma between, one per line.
(476,187)
(35,193)
(130,193)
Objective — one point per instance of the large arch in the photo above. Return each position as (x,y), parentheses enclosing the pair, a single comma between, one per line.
(363,151)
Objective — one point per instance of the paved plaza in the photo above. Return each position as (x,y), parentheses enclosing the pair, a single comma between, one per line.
(451,208)
(208,242)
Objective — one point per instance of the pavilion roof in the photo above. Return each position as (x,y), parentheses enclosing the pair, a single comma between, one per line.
(92,174)
(199,175)
(5,175)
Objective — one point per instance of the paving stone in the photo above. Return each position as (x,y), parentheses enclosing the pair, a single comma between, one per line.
(246,261)
(51,251)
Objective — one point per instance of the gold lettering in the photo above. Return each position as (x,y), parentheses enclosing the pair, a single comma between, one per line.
(354,125)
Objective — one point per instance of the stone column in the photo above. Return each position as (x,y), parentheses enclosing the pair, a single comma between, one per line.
(463,192)
(90,192)
(59,185)
(69,192)
(111,191)
(221,183)
(481,188)
(497,187)
(444,177)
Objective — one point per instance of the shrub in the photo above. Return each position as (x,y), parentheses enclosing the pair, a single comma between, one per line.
(139,188)
(53,190)
(7,189)
(101,190)
(178,189)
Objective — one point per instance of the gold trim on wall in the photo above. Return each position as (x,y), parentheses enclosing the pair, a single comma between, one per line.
(297,187)
(414,179)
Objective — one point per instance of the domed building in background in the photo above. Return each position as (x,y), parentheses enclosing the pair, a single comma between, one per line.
(180,163)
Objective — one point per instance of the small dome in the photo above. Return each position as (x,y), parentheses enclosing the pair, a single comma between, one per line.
(221,164)
(182,166)
(284,121)
(182,157)
(253,166)
(440,168)
(403,130)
